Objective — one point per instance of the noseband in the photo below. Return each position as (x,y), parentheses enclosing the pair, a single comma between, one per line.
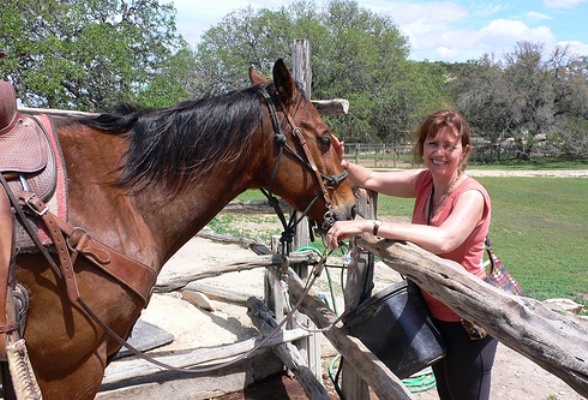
(326,182)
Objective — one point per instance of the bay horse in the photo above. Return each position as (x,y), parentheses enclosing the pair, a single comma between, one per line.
(144,182)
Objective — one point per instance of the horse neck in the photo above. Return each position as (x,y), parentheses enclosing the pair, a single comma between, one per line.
(174,220)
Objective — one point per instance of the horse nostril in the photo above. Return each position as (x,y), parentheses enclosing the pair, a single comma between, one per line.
(353,212)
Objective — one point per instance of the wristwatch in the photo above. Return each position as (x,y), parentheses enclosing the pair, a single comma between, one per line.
(377,225)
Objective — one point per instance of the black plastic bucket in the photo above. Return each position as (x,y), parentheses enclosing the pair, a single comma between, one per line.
(395,325)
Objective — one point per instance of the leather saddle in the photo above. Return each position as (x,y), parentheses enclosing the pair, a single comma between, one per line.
(25,151)
(27,162)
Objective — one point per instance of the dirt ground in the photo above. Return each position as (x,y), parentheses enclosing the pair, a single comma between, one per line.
(514,376)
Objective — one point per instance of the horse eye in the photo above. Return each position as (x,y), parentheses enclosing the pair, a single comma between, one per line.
(325,141)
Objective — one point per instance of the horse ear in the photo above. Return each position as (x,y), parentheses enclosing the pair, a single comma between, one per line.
(254,77)
(284,82)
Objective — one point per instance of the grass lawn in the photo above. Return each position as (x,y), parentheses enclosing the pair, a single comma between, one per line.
(539,230)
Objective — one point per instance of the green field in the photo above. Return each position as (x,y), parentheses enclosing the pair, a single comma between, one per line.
(539,230)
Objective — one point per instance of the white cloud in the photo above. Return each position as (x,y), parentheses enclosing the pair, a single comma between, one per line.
(563,3)
(575,47)
(498,37)
(509,31)
(425,23)
(537,16)
(489,9)
(431,15)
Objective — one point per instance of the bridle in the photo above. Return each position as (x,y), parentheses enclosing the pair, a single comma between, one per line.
(326,182)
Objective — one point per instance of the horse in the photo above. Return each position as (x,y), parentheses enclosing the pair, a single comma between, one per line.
(143,182)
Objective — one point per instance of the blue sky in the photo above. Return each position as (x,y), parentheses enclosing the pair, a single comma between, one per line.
(449,31)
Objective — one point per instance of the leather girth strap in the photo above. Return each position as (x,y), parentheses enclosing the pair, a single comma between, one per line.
(65,263)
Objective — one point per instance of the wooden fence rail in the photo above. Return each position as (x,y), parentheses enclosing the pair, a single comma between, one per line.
(388,155)
(555,342)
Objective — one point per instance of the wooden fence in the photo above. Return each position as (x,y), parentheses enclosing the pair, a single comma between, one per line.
(401,155)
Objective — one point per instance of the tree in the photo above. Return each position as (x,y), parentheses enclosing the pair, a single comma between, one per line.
(485,98)
(87,54)
(355,54)
(403,106)
(525,94)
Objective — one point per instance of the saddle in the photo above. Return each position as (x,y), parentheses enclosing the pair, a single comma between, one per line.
(27,162)
(25,151)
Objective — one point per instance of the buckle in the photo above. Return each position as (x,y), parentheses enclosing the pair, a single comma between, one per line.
(33,206)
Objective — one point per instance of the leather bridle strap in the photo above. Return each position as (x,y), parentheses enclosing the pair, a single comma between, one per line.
(309,162)
(297,131)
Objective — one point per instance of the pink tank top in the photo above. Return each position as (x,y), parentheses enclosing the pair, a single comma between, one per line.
(470,253)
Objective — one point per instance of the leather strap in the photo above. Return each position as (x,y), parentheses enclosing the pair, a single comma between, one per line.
(31,230)
(6,323)
(41,209)
(135,276)
(298,133)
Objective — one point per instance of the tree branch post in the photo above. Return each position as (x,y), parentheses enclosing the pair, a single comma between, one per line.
(555,342)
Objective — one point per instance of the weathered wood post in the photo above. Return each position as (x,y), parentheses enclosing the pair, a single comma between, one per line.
(310,347)
(360,278)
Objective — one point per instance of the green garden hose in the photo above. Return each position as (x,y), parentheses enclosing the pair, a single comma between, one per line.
(329,279)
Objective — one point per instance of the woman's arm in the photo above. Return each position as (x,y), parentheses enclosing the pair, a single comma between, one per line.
(452,233)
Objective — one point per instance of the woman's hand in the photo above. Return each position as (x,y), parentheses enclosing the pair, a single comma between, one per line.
(339,148)
(342,230)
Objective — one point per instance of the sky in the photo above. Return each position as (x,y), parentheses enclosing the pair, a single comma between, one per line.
(451,31)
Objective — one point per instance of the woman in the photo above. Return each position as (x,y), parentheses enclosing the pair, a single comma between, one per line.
(451,218)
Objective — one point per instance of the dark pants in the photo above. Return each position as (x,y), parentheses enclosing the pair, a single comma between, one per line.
(466,371)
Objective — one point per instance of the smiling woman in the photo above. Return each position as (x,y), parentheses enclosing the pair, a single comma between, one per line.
(451,218)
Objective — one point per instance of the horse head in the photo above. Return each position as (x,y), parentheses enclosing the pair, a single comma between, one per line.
(305,157)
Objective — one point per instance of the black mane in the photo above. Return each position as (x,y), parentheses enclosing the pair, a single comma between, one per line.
(174,144)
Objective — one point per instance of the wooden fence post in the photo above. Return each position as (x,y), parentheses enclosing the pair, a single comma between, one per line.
(309,347)
(359,286)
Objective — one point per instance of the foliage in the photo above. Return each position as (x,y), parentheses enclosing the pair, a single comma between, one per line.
(355,54)
(525,94)
(87,54)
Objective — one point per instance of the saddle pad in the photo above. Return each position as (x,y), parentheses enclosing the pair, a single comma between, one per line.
(49,184)
(24,147)
(8,108)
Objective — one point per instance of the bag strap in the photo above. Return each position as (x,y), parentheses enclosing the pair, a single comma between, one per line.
(491,256)
(430,211)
